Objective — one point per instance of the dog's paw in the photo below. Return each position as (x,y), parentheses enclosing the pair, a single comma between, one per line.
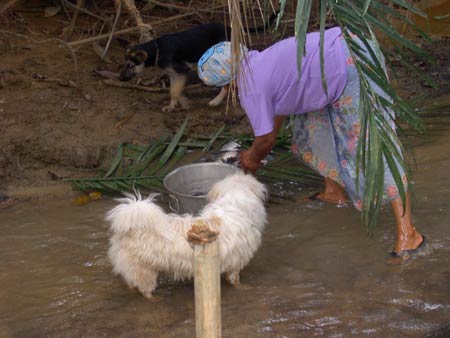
(214,102)
(243,287)
(154,299)
(150,296)
(168,109)
(233,278)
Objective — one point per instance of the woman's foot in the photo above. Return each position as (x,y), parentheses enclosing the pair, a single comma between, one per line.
(408,238)
(333,193)
(407,244)
(329,198)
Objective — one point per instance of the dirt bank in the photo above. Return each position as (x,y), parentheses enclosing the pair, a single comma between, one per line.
(58,122)
(59,119)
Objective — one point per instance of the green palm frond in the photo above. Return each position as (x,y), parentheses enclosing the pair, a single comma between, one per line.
(301,26)
(144,167)
(378,147)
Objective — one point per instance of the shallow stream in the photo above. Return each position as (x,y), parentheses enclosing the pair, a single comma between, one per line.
(317,273)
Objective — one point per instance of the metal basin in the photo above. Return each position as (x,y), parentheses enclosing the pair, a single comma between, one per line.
(188,185)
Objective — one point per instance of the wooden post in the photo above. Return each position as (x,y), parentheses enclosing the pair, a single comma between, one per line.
(206,281)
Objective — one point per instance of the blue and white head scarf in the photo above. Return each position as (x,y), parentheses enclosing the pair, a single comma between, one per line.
(214,67)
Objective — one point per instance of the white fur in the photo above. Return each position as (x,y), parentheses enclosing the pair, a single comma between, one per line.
(146,241)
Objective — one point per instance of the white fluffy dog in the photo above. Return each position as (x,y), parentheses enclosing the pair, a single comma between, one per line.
(146,241)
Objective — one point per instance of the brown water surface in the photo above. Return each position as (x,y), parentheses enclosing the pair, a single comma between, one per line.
(317,273)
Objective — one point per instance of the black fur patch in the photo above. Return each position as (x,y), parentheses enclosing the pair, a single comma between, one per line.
(177,50)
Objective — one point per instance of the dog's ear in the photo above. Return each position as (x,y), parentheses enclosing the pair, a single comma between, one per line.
(138,55)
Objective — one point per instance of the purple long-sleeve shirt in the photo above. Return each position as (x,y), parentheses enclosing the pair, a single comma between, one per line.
(273,87)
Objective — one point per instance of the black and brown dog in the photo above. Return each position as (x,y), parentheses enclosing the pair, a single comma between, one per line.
(176,54)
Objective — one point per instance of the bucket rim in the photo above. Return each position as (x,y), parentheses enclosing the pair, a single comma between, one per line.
(173,172)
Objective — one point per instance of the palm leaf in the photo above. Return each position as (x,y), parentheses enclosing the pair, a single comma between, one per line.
(381,7)
(156,150)
(145,167)
(115,185)
(177,156)
(410,8)
(281,13)
(116,161)
(301,25)
(213,139)
(366,6)
(171,147)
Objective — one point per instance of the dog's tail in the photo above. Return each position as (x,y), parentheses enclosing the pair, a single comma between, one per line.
(137,213)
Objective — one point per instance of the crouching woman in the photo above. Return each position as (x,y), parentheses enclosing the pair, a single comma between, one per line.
(327,125)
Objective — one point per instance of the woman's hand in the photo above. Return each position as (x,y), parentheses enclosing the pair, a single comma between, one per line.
(262,145)
(248,161)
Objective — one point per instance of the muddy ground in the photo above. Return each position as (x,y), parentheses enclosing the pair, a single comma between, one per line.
(56,121)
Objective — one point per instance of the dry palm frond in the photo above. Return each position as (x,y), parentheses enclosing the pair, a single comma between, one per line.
(237,38)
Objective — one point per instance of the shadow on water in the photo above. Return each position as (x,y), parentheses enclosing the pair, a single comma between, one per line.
(317,273)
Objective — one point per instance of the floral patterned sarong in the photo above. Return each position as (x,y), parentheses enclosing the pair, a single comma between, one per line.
(327,140)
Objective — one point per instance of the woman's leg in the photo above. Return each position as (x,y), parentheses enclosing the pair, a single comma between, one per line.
(334,193)
(408,238)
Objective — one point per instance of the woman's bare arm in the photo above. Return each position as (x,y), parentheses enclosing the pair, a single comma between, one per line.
(261,147)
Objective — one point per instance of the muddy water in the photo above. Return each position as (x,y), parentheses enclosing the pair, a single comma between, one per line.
(317,274)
